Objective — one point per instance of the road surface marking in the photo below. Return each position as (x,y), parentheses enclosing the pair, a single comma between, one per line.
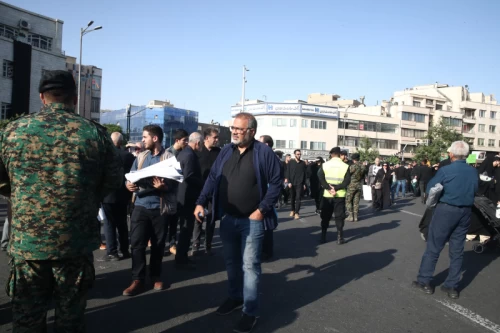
(407,212)
(471,316)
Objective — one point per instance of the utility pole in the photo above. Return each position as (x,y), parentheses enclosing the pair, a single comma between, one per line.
(243,92)
(129,107)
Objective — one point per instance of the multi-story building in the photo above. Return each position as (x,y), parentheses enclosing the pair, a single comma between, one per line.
(397,125)
(163,114)
(29,44)
(90,88)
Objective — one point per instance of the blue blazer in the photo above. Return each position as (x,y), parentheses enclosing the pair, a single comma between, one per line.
(269,176)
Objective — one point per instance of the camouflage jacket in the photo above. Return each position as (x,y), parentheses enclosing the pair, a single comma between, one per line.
(56,167)
(358,172)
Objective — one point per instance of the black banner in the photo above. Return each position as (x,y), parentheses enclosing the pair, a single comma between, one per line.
(21,79)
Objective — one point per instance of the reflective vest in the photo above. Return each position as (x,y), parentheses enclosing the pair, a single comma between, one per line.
(335,170)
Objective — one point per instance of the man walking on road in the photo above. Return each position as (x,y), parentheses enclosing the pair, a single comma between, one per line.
(334,176)
(357,171)
(401,176)
(244,184)
(451,220)
(115,207)
(56,167)
(296,179)
(372,175)
(424,175)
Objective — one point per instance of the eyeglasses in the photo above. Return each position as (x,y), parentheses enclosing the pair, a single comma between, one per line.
(238,129)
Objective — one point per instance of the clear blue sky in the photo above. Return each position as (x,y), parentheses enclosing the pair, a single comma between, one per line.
(192,51)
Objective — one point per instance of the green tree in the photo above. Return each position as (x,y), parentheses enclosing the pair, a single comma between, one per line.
(440,137)
(113,128)
(392,159)
(366,150)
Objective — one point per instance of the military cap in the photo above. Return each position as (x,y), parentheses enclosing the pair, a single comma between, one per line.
(335,150)
(343,152)
(57,80)
(355,157)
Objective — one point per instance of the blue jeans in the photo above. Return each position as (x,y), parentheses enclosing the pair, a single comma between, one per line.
(448,223)
(242,239)
(401,183)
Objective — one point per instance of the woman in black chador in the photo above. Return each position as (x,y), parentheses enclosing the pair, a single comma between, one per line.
(384,177)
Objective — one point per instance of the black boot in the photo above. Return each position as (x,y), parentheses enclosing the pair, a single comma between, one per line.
(323,236)
(340,237)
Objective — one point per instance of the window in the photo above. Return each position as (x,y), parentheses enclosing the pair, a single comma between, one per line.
(303,144)
(452,121)
(293,122)
(480,142)
(419,118)
(416,103)
(493,114)
(481,128)
(291,144)
(491,143)
(429,102)
(482,113)
(304,123)
(318,124)
(41,42)
(5,112)
(317,145)
(439,106)
(493,128)
(8,69)
(7,32)
(367,126)
(411,133)
(96,104)
(279,122)
(280,143)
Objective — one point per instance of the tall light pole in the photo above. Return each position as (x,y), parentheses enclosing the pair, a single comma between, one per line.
(243,93)
(129,116)
(82,33)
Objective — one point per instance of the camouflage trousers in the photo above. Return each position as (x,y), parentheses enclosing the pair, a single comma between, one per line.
(353,196)
(32,285)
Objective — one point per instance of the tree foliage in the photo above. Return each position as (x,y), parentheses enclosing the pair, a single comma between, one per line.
(366,150)
(440,137)
(113,128)
(392,159)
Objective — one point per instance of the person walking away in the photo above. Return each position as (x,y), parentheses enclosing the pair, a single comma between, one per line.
(384,179)
(251,165)
(181,138)
(207,156)
(296,179)
(414,179)
(372,174)
(401,175)
(154,199)
(115,206)
(450,221)
(56,167)
(189,190)
(355,187)
(335,177)
(286,190)
(408,178)
(316,191)
(424,175)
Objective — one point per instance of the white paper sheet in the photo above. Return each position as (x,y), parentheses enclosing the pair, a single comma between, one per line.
(169,169)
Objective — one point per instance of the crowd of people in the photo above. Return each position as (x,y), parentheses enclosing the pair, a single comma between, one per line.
(58,169)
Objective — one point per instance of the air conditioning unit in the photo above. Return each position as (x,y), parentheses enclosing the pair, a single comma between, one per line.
(23,24)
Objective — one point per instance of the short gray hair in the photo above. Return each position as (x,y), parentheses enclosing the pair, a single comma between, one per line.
(195,137)
(252,122)
(460,150)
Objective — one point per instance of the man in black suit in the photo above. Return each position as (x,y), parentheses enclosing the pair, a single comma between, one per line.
(188,192)
(115,208)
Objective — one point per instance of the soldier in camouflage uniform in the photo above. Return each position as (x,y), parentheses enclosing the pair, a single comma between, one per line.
(358,172)
(56,168)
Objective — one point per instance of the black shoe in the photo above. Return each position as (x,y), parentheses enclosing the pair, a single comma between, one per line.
(426,288)
(126,255)
(323,237)
(109,257)
(452,293)
(245,324)
(229,306)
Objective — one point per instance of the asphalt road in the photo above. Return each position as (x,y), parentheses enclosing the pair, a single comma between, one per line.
(362,286)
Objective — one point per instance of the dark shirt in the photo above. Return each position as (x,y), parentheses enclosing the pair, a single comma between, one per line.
(296,173)
(444,163)
(401,173)
(460,183)
(207,159)
(122,195)
(425,173)
(239,190)
(190,188)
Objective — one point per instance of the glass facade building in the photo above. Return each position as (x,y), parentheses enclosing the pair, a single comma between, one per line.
(167,117)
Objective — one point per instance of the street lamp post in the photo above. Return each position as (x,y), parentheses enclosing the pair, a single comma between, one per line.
(82,33)
(243,93)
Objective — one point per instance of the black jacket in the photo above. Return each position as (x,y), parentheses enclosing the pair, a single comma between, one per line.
(444,163)
(190,189)
(207,159)
(296,173)
(401,173)
(122,195)
(425,173)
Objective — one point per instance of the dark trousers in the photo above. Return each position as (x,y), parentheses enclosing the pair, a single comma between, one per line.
(286,195)
(449,223)
(116,219)
(423,188)
(172,222)
(186,232)
(296,197)
(317,194)
(268,243)
(146,224)
(209,232)
(333,206)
